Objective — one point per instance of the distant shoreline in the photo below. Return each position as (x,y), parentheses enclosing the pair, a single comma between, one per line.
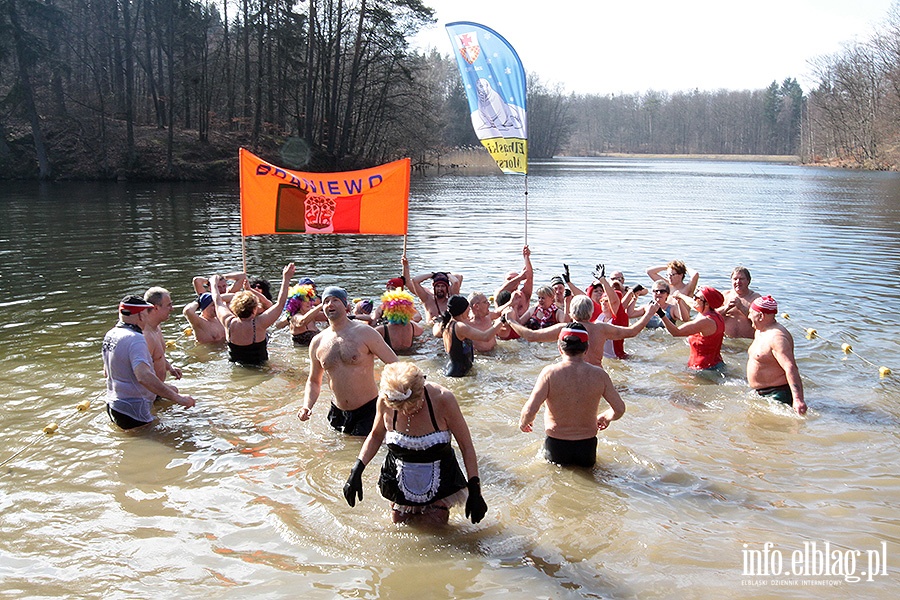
(772,158)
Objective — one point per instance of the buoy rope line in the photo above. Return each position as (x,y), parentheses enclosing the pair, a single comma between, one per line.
(812,334)
(52,427)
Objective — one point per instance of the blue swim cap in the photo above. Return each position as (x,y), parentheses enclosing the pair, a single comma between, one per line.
(337,292)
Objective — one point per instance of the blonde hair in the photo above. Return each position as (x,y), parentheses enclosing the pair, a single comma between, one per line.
(244,304)
(402,383)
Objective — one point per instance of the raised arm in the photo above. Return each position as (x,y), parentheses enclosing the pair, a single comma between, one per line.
(616,332)
(273,312)
(548,334)
(528,273)
(701,324)
(655,273)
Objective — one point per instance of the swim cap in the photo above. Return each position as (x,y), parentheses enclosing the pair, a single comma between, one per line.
(573,339)
(457,305)
(765,304)
(396,282)
(714,297)
(337,292)
(132,305)
(574,329)
(204,300)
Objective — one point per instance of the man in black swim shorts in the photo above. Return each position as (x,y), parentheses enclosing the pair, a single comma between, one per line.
(346,351)
(572,390)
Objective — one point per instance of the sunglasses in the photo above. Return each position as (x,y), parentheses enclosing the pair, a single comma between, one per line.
(660,291)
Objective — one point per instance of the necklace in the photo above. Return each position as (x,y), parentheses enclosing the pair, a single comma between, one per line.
(409,416)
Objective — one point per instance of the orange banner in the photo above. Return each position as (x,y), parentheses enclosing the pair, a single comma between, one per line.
(276,200)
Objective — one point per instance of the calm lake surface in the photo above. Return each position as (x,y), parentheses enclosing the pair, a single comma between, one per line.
(237,498)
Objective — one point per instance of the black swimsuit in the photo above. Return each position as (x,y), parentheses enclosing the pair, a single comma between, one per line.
(461,353)
(254,354)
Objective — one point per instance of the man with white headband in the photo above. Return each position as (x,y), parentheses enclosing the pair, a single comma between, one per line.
(771,369)
(572,390)
(131,382)
(347,352)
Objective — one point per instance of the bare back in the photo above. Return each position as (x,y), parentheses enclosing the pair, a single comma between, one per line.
(573,394)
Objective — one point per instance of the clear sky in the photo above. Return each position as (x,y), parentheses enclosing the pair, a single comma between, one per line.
(602,47)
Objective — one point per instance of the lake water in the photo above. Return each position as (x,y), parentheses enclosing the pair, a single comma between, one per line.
(237,498)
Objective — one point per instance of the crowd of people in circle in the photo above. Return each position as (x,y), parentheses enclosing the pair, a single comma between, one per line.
(416,418)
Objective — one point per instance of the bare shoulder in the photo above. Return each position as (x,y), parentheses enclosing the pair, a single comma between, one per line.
(440,395)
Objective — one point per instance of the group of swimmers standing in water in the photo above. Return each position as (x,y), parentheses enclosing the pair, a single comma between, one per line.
(417,418)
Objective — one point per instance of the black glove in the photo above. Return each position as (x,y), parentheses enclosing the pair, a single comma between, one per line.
(599,271)
(353,487)
(565,273)
(567,293)
(637,288)
(659,313)
(476,507)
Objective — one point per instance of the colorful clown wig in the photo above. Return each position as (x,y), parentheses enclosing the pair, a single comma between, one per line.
(296,295)
(397,307)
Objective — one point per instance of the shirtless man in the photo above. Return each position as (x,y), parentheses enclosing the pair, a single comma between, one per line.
(346,350)
(572,390)
(443,285)
(162,307)
(206,326)
(772,370)
(483,319)
(580,310)
(237,279)
(736,309)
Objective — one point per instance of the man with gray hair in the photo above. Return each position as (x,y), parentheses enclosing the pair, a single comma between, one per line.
(346,350)
(580,310)
(736,310)
(162,307)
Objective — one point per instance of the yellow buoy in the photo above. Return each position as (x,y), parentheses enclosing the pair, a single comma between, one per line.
(786,316)
(83,405)
(847,348)
(170,344)
(188,331)
(811,334)
(883,372)
(51,428)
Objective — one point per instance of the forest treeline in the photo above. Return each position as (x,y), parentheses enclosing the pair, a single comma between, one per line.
(157,88)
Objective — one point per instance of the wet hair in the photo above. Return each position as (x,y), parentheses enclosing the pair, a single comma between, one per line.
(258,283)
(743,271)
(573,344)
(581,308)
(456,306)
(503,297)
(244,304)
(155,295)
(678,267)
(402,383)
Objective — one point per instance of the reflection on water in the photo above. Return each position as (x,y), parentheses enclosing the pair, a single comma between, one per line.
(237,497)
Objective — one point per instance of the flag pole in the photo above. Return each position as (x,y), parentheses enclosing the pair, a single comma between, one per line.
(526,209)
(244,252)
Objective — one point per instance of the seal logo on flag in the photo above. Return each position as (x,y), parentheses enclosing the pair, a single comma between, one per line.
(468,47)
